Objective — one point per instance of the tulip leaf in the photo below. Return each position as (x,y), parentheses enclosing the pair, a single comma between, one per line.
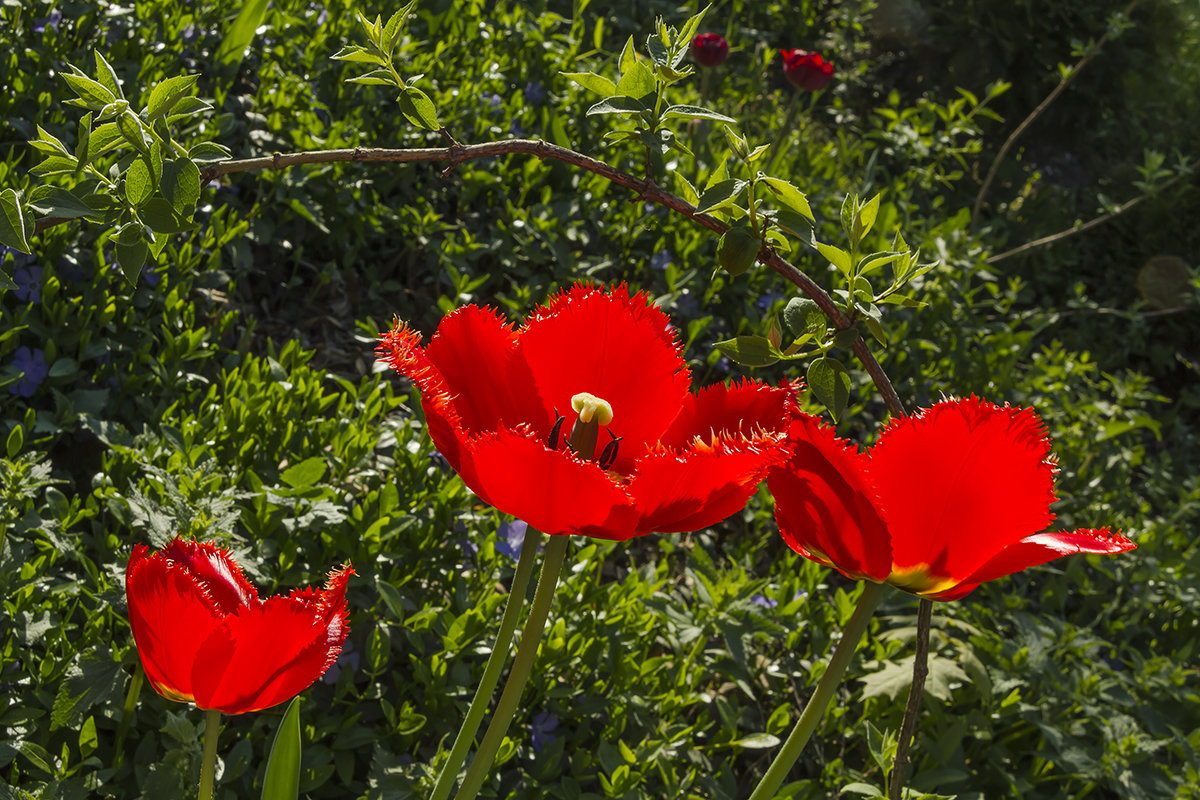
(241,32)
(304,474)
(282,781)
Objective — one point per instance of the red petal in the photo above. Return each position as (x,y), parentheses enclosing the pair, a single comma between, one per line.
(269,654)
(824,503)
(1038,549)
(700,486)
(477,355)
(401,348)
(554,491)
(960,482)
(747,408)
(617,347)
(171,614)
(215,570)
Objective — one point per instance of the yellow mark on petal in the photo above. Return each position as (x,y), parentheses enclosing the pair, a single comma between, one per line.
(589,407)
(917,579)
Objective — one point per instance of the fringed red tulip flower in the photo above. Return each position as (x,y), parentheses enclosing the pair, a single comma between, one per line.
(517,414)
(205,637)
(946,499)
(807,70)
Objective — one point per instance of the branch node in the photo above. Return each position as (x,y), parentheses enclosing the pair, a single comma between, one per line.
(275,159)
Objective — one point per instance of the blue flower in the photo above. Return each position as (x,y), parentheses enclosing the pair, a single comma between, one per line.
(517,129)
(764,601)
(188,33)
(48,22)
(511,536)
(347,660)
(32,365)
(768,299)
(534,93)
(493,100)
(661,259)
(29,283)
(540,730)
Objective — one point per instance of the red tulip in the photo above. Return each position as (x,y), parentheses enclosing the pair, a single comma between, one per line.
(807,70)
(205,637)
(496,402)
(945,500)
(710,49)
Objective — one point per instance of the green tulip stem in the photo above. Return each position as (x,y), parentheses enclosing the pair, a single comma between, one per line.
(208,767)
(814,711)
(531,636)
(785,132)
(491,671)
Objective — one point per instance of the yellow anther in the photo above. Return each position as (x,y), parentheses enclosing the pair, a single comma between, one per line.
(589,407)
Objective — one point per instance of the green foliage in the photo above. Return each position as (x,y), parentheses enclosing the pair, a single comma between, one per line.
(227,388)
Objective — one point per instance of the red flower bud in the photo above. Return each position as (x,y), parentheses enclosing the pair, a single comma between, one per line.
(710,49)
(807,70)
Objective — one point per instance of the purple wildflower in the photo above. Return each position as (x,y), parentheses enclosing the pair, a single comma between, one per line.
(511,536)
(534,92)
(32,365)
(188,33)
(48,22)
(29,283)
(661,259)
(493,100)
(764,601)
(540,730)
(347,660)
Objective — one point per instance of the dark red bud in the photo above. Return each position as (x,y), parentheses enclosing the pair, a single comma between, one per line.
(710,49)
(807,70)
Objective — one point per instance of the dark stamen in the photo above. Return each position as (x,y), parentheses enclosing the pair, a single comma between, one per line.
(609,454)
(552,441)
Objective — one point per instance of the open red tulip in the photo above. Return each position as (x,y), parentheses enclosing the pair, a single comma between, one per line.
(205,637)
(807,70)
(501,403)
(945,500)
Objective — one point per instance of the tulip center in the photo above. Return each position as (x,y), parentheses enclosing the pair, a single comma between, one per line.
(593,413)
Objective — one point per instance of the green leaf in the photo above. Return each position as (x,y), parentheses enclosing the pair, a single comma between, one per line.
(160,216)
(92,94)
(181,185)
(16,440)
(418,109)
(657,50)
(395,27)
(55,165)
(376,77)
(637,81)
(695,112)
(241,32)
(49,144)
(103,138)
(15,227)
(107,76)
(688,32)
(593,82)
(131,258)
(139,183)
(208,152)
(750,351)
(358,55)
(304,474)
(802,315)
(865,220)
(81,141)
(618,104)
(830,384)
(877,261)
(55,201)
(720,194)
(837,256)
(282,779)
(756,741)
(130,126)
(166,94)
(628,56)
(789,196)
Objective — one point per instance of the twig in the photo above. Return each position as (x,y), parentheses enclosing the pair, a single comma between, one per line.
(1056,237)
(913,707)
(1037,112)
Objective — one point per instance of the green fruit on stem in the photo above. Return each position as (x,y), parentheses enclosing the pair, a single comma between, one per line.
(738,250)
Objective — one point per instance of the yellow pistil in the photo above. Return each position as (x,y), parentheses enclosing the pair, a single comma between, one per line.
(593,412)
(589,407)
